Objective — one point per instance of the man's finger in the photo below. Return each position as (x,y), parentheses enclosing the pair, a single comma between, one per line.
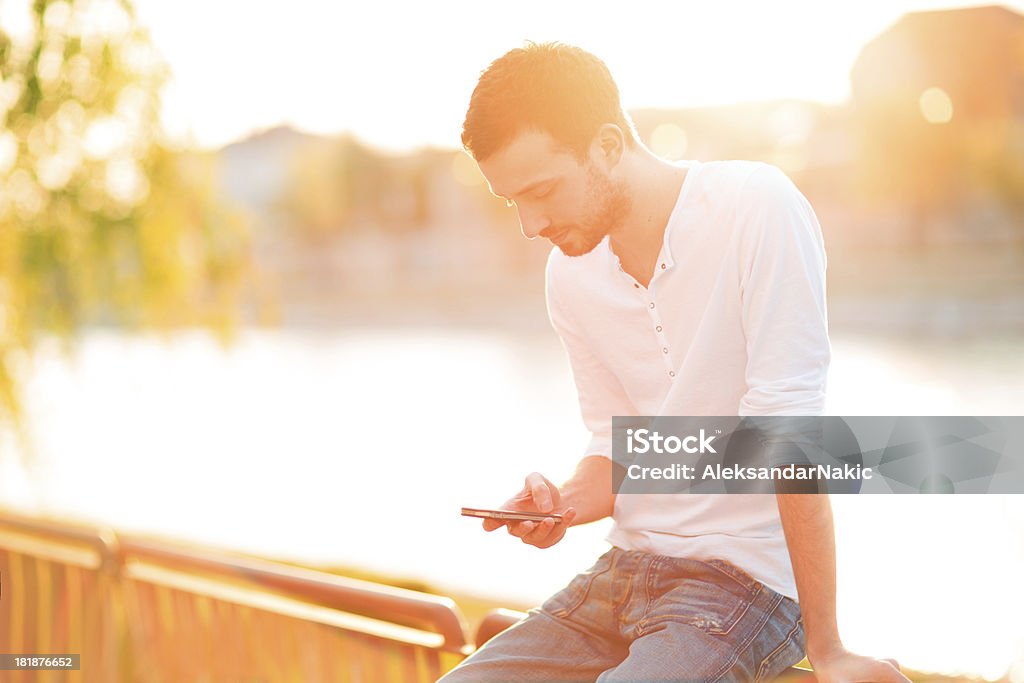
(540,492)
(551,532)
(520,529)
(889,672)
(899,676)
(492,524)
(541,533)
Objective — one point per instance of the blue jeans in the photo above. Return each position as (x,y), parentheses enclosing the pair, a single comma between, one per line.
(640,617)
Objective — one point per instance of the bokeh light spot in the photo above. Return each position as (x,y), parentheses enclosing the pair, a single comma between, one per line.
(56,16)
(936,107)
(8,151)
(54,171)
(104,137)
(669,141)
(125,183)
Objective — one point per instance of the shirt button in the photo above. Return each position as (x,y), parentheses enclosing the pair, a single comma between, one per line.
(636,285)
(658,328)
(665,350)
(652,304)
(671,373)
(663,266)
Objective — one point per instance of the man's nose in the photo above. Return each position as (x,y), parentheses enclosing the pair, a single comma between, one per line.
(532,223)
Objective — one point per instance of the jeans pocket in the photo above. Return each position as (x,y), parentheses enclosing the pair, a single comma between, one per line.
(713,611)
(745,580)
(698,598)
(569,599)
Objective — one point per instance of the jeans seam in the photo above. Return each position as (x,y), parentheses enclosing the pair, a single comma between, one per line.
(734,618)
(584,592)
(612,566)
(750,586)
(653,571)
(588,634)
(618,606)
(790,638)
(777,600)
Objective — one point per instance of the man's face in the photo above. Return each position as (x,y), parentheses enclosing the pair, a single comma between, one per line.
(571,204)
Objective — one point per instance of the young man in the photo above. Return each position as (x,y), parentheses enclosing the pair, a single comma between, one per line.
(677,289)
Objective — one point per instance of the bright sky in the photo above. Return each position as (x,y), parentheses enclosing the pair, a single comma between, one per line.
(399,74)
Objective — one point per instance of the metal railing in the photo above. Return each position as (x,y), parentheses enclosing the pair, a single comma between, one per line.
(56,587)
(141,610)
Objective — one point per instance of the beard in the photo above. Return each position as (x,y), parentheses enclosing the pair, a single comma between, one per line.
(609,203)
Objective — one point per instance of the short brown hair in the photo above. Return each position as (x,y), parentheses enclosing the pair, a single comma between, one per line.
(558,89)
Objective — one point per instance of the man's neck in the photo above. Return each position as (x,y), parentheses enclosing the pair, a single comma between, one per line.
(655,185)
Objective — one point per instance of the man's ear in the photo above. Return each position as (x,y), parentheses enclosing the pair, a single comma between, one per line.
(609,145)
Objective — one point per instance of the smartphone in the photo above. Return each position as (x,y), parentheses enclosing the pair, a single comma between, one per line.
(511,515)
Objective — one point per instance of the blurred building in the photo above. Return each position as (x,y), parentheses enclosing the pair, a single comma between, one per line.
(938,109)
(975,55)
(928,154)
(338,225)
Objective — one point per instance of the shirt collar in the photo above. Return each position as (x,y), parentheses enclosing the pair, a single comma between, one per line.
(665,256)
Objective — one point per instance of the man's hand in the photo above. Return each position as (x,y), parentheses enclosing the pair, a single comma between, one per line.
(810,536)
(842,666)
(537,495)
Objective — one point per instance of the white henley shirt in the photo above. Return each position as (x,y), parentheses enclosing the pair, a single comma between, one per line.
(733,322)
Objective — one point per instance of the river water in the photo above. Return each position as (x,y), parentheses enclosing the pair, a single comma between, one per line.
(357,448)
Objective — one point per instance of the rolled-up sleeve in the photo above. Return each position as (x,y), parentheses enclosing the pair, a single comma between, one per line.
(782,291)
(601,395)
